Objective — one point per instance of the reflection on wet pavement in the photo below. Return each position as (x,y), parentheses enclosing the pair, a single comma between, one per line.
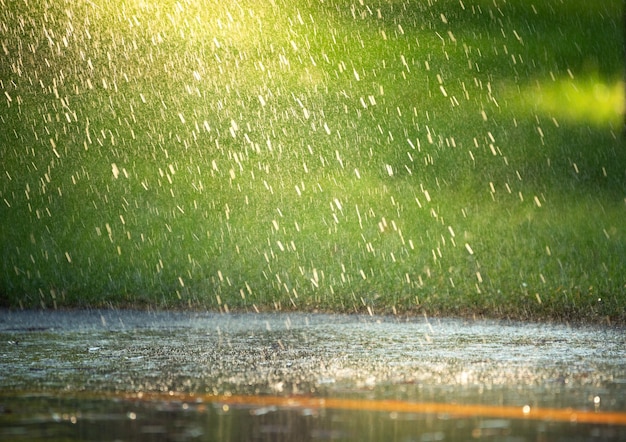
(495,363)
(31,419)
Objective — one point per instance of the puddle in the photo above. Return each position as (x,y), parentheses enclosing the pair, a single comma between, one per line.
(53,418)
(58,356)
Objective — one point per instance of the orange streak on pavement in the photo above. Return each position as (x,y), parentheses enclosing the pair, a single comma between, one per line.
(397,406)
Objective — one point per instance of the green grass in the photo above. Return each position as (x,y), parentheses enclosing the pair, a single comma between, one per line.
(409,157)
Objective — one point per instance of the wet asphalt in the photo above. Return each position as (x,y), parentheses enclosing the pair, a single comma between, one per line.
(416,359)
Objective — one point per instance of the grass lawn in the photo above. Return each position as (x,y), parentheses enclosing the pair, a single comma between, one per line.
(422,157)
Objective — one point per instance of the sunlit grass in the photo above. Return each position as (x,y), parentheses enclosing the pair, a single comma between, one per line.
(325,156)
(588,100)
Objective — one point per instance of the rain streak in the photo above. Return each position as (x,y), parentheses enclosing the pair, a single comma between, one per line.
(358,155)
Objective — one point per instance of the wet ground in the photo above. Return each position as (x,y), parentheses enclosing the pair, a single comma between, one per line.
(80,375)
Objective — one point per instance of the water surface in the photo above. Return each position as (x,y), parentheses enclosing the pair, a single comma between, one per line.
(50,359)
